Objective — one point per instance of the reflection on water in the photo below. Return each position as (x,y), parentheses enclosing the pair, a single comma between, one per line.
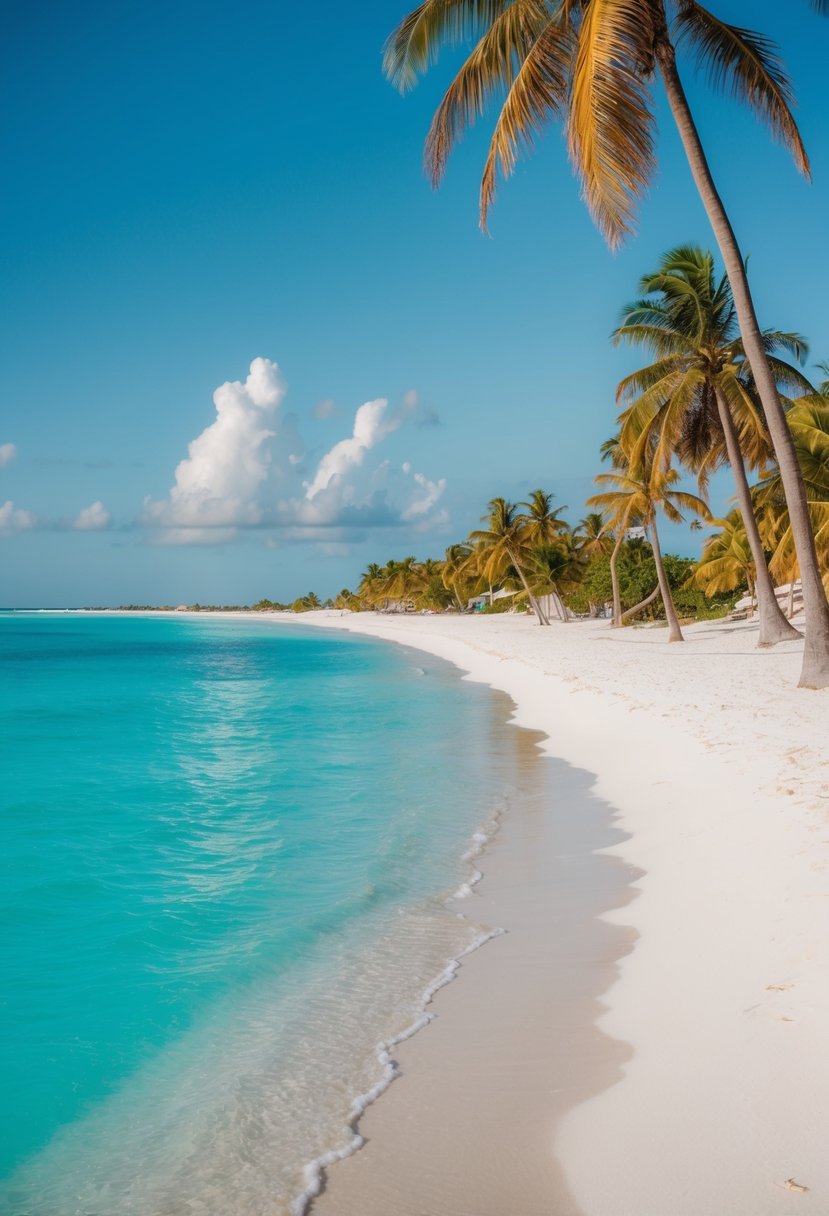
(257,833)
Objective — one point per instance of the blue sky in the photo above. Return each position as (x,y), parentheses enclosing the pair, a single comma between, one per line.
(191,188)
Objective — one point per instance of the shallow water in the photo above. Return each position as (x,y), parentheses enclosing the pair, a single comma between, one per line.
(228,851)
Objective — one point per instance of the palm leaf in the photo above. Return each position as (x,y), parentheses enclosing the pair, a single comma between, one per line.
(746,64)
(491,66)
(413,46)
(537,93)
(611,123)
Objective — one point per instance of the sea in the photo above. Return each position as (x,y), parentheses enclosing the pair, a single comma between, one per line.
(235,868)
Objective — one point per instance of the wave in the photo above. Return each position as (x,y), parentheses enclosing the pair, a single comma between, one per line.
(314,1172)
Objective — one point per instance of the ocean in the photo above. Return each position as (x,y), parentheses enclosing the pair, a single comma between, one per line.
(234,861)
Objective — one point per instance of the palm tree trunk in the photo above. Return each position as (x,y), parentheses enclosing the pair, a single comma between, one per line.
(642,605)
(534,604)
(774,627)
(815,670)
(561,608)
(791,598)
(674,631)
(617,622)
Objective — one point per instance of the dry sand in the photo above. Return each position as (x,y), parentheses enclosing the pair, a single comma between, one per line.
(718,770)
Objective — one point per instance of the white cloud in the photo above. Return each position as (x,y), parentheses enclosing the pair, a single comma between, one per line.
(250,468)
(423,502)
(370,426)
(216,486)
(13,519)
(92,518)
(7,453)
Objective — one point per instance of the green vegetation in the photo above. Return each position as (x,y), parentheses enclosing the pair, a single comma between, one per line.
(594,65)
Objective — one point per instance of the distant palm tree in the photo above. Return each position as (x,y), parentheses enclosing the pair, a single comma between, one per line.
(594,62)
(594,537)
(402,581)
(823,387)
(542,519)
(636,496)
(502,547)
(454,579)
(698,398)
(727,561)
(556,569)
(370,586)
(809,422)
(621,521)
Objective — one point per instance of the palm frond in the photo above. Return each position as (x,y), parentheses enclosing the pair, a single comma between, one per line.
(611,122)
(747,65)
(491,67)
(538,92)
(414,45)
(647,377)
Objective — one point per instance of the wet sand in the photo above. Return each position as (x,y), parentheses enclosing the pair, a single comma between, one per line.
(469,1127)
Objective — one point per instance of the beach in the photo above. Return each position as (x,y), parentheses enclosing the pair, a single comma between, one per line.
(699,1073)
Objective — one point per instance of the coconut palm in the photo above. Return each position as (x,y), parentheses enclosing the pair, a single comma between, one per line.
(698,399)
(727,560)
(543,524)
(823,387)
(454,579)
(402,580)
(634,498)
(594,536)
(556,569)
(347,600)
(593,62)
(809,423)
(369,588)
(613,451)
(502,547)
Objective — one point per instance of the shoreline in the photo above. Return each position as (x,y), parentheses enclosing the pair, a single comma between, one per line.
(719,769)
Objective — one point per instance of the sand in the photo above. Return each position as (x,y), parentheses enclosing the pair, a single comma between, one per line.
(676,1061)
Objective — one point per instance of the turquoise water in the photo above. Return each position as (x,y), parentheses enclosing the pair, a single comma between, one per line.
(228,848)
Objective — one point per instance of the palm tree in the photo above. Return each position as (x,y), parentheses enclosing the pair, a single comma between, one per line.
(543,525)
(809,423)
(502,547)
(727,559)
(402,580)
(613,451)
(594,536)
(635,496)
(823,387)
(555,569)
(593,62)
(453,578)
(369,587)
(698,398)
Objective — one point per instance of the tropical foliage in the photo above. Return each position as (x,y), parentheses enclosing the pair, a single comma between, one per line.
(593,64)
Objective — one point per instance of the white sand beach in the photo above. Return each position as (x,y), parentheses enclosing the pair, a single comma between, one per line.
(700,1083)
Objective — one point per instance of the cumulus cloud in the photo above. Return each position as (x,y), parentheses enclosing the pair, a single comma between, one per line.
(425,499)
(251,468)
(216,486)
(92,518)
(13,519)
(370,426)
(325,408)
(7,453)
